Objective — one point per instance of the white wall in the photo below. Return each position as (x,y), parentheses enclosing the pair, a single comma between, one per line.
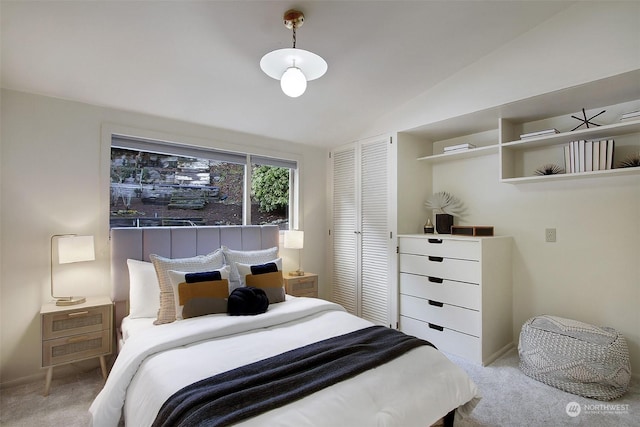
(592,273)
(586,42)
(51,183)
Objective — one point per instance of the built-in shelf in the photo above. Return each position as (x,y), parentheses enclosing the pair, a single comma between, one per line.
(459,155)
(496,130)
(518,158)
(592,133)
(576,175)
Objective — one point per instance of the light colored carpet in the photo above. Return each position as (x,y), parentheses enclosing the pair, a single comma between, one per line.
(510,399)
(67,404)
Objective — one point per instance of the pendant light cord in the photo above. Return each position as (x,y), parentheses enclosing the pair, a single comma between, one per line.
(294,35)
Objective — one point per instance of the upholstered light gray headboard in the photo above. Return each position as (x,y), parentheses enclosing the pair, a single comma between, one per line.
(177,242)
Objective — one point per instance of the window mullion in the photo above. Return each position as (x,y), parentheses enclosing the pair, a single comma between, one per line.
(246,204)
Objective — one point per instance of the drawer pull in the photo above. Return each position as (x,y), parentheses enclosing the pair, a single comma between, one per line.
(435,279)
(78,313)
(435,241)
(436,258)
(436,327)
(436,303)
(77,339)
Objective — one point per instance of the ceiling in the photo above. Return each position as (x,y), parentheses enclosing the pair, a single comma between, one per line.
(199,61)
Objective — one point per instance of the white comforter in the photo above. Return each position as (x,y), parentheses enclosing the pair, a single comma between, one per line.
(417,388)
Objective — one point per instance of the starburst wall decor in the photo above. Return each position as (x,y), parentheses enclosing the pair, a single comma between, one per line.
(586,121)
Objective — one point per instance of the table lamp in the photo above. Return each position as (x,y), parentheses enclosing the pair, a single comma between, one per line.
(71,248)
(294,239)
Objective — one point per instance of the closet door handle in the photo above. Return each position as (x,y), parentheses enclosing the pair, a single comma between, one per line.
(435,241)
(435,303)
(436,327)
(436,258)
(435,279)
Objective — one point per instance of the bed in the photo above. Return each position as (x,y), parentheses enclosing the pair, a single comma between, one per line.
(157,362)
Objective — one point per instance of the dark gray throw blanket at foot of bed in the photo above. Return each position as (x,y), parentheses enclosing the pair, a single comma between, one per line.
(249,390)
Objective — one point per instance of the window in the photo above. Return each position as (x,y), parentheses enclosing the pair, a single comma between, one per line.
(271,181)
(161,184)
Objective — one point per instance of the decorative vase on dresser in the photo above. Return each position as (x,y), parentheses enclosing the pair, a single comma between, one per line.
(455,292)
(444,222)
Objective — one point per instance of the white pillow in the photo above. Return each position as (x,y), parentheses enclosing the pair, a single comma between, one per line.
(232,256)
(177,277)
(144,290)
(244,269)
(209,262)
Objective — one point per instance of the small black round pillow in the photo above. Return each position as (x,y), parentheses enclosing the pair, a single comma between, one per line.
(247,301)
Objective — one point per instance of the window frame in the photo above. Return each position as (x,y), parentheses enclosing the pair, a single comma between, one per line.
(196,147)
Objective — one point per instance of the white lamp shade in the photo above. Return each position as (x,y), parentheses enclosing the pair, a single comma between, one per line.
(75,249)
(293,82)
(275,63)
(294,239)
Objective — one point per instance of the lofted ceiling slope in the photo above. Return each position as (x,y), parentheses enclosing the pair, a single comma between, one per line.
(199,61)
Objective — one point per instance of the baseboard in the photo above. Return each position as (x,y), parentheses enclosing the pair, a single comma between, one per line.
(58,372)
(499,354)
(24,380)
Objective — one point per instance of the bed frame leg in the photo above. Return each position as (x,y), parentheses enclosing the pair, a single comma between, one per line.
(448,419)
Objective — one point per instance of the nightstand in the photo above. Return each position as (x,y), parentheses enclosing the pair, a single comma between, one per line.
(74,333)
(302,286)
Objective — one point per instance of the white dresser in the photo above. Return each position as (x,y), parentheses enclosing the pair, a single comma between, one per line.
(455,292)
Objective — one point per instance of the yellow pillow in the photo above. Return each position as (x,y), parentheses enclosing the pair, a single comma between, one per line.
(208,289)
(202,298)
(271,283)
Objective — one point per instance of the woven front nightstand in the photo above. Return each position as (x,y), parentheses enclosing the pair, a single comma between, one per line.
(302,286)
(74,333)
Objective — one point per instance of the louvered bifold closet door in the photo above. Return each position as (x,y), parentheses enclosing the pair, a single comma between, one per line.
(374,220)
(344,235)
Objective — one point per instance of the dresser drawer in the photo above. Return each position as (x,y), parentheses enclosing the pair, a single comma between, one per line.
(441,268)
(439,313)
(451,248)
(462,294)
(76,347)
(74,322)
(444,339)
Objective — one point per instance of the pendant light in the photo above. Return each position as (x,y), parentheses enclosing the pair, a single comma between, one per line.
(293,67)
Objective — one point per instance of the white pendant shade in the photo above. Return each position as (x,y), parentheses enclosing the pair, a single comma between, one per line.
(276,62)
(293,67)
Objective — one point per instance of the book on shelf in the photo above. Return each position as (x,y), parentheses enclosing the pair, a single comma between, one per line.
(572,157)
(596,156)
(609,164)
(580,159)
(539,133)
(459,147)
(603,155)
(567,159)
(588,156)
(631,115)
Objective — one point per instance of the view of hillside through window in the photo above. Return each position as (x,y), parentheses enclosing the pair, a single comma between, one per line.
(149,189)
